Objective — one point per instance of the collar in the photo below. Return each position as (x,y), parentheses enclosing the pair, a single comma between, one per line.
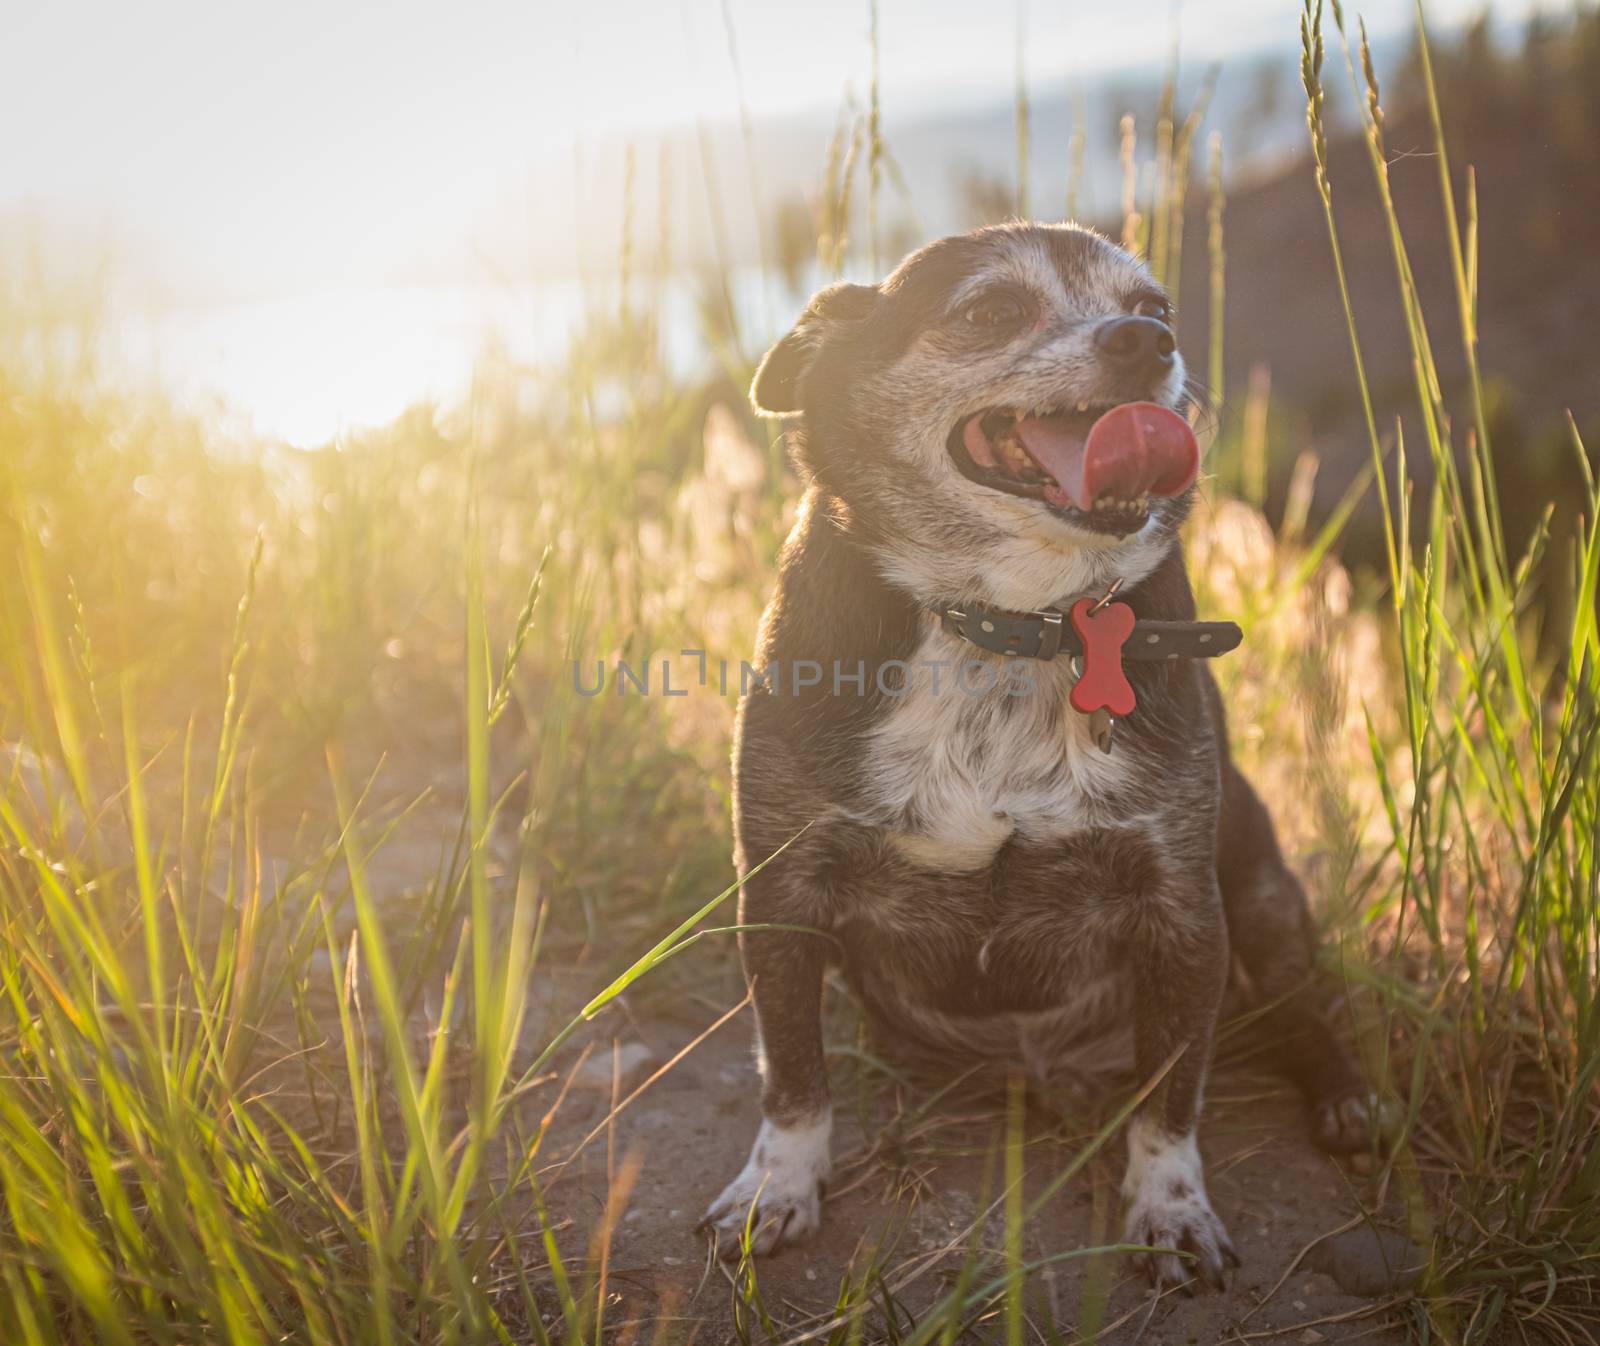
(1049,631)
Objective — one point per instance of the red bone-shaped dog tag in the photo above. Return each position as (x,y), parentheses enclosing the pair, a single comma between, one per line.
(1103,685)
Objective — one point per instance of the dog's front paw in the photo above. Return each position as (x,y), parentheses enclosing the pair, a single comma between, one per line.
(1188,1225)
(777,1195)
(1351,1121)
(781,1215)
(1167,1209)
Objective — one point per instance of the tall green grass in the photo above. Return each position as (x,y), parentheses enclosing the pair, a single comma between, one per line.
(1491,798)
(286,1032)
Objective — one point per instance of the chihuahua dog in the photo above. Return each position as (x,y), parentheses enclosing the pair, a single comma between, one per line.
(989,436)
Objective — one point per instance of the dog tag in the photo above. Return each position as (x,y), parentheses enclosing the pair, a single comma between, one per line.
(1102,728)
(1103,686)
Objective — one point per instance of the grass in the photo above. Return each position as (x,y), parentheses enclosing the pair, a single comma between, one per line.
(315,873)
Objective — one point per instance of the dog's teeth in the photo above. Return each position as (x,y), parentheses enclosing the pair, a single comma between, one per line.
(1113,504)
(1083,406)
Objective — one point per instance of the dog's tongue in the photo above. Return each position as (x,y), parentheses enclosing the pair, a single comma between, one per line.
(1135,449)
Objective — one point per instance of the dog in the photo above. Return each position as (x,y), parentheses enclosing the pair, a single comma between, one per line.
(992,883)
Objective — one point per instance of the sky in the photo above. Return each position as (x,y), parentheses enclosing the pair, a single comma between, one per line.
(302,206)
(257,149)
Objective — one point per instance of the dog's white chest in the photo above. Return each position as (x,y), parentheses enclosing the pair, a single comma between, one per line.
(958,767)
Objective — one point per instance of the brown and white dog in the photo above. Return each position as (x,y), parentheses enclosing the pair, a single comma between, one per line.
(995,886)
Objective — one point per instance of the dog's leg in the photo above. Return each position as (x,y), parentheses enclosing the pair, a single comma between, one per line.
(1270,930)
(1180,980)
(782,1180)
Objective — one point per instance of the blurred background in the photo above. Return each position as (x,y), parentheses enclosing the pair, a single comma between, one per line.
(349,275)
(319,216)
(307,270)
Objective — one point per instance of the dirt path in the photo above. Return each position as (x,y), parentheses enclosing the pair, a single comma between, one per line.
(916,1181)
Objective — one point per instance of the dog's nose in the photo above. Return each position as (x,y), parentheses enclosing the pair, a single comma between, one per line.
(1137,343)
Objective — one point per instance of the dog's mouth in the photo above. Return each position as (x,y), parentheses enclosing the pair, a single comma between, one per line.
(1098,466)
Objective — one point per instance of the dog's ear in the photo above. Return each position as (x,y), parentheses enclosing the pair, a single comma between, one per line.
(776,389)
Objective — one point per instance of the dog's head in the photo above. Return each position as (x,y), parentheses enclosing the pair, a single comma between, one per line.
(966,413)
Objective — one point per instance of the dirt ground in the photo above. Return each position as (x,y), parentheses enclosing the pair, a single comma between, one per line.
(918,1173)
(917,1177)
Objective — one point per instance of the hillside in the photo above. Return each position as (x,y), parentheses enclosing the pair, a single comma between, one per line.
(1531,144)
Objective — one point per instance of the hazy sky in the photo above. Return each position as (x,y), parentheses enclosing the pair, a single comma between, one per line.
(269,148)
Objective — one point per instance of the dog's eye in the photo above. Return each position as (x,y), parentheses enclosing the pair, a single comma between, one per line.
(996,312)
(1154,306)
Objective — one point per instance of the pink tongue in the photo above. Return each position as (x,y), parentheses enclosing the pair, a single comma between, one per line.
(1135,449)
